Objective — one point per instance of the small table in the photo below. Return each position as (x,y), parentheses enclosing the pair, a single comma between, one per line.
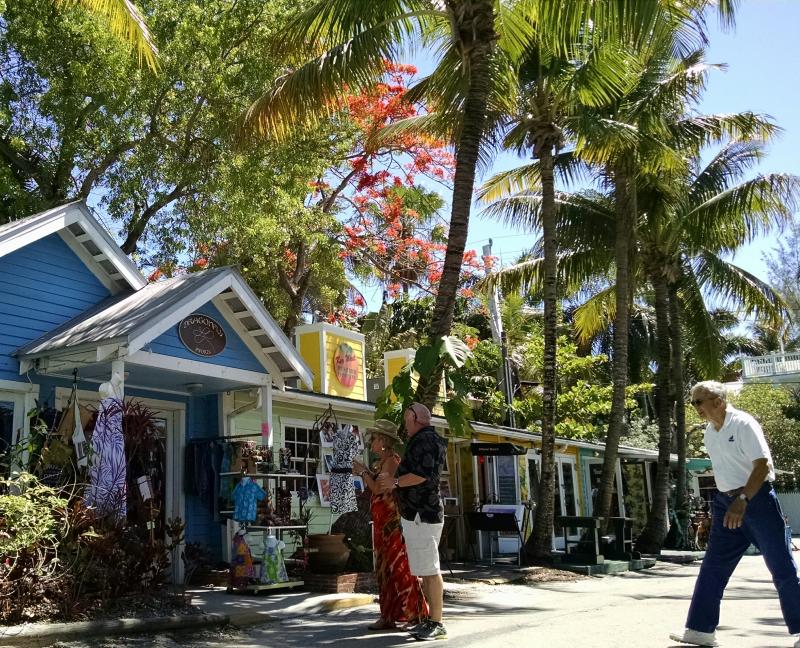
(593,525)
(622,528)
(495,522)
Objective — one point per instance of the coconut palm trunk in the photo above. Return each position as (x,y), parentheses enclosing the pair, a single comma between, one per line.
(626,207)
(476,18)
(654,532)
(676,340)
(540,543)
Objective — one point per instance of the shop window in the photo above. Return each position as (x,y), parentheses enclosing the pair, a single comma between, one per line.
(304,444)
(708,489)
(533,479)
(506,479)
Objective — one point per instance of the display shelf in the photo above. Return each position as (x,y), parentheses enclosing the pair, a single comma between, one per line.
(266,475)
(256,527)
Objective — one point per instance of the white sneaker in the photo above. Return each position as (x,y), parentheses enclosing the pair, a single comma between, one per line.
(797,644)
(695,638)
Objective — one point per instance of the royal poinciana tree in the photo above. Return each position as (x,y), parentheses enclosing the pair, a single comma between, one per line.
(371,214)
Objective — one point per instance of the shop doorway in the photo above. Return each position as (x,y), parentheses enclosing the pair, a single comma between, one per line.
(166,465)
(566,495)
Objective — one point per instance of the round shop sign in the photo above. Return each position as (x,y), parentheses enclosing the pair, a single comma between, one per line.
(345,365)
(202,335)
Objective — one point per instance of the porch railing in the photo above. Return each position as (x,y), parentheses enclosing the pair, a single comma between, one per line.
(774,364)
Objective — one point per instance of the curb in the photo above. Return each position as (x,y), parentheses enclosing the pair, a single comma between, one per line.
(44,634)
(357,600)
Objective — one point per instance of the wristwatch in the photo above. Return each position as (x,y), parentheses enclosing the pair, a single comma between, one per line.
(361,474)
(397,482)
(744,497)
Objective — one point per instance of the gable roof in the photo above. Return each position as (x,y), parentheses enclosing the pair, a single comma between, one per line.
(85,236)
(126,323)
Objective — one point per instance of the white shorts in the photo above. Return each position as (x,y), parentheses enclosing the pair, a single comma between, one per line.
(422,546)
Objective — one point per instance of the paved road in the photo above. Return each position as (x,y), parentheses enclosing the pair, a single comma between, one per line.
(635,610)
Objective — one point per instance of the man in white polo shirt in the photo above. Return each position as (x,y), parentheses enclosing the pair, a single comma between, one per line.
(745,511)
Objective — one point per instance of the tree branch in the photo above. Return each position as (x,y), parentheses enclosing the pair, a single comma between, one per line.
(138,225)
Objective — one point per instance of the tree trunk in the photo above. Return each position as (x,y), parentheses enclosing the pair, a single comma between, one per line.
(678,384)
(473,21)
(540,542)
(626,213)
(655,530)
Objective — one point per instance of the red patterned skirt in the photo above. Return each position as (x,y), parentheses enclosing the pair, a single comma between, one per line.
(401,598)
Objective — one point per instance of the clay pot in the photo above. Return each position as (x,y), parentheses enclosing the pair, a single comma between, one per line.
(331,553)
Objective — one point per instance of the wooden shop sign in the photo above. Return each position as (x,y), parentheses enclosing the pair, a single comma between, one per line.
(202,335)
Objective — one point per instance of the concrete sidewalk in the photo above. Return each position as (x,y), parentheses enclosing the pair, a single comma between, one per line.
(215,608)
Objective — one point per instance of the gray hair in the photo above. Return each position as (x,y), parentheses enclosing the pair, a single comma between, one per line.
(713,388)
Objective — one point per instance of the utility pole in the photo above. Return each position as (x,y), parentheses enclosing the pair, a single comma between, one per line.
(499,338)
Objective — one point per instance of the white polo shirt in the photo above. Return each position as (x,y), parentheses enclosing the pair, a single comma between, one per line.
(734,447)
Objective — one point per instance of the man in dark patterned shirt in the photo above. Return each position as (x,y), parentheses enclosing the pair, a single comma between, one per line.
(421,511)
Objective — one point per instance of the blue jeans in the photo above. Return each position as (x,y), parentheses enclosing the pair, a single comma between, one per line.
(763,526)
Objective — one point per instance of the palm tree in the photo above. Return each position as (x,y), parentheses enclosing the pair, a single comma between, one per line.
(550,89)
(691,221)
(478,43)
(126,22)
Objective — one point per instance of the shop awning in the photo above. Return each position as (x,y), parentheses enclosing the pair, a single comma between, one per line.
(495,449)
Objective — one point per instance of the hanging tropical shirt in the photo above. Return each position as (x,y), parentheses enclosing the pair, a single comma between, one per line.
(245,496)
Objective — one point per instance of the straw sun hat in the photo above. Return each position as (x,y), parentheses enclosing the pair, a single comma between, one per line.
(386,429)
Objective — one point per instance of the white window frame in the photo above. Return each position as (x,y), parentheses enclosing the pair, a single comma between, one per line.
(496,479)
(560,460)
(23,396)
(588,485)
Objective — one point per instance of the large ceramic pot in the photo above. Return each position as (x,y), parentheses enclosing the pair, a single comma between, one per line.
(329,553)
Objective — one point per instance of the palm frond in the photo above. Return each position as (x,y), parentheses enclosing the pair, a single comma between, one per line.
(126,23)
(705,339)
(739,288)
(740,213)
(697,131)
(595,314)
(314,91)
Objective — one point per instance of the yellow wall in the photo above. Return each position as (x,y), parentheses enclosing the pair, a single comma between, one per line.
(335,388)
(308,345)
(393,367)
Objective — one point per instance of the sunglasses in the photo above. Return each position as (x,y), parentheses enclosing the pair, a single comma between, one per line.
(699,401)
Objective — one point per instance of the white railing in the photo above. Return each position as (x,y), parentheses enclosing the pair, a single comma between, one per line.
(774,364)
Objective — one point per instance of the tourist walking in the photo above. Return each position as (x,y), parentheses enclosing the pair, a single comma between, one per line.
(745,511)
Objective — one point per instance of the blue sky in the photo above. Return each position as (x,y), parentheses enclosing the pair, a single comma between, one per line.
(762,55)
(762,76)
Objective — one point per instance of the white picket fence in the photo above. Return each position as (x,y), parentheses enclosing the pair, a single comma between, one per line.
(790,503)
(773,364)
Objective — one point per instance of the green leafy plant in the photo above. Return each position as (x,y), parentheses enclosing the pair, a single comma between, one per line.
(450,353)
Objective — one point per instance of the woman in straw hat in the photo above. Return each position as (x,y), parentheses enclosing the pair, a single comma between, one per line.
(401,598)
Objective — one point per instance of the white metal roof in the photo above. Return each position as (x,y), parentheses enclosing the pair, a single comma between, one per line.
(125,323)
(87,238)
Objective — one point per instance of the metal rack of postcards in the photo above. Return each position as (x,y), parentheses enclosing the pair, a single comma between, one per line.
(257,526)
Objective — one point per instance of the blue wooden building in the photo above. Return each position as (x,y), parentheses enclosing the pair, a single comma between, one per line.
(71,300)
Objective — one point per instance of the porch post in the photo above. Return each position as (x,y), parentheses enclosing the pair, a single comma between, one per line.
(266,415)
(118,368)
